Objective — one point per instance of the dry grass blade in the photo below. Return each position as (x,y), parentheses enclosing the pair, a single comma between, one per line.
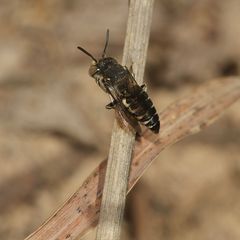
(181,119)
(122,141)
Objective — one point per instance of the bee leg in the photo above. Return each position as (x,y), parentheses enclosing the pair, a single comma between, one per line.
(144,87)
(130,69)
(138,136)
(111,105)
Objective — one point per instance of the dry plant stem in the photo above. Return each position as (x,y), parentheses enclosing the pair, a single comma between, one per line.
(122,141)
(181,119)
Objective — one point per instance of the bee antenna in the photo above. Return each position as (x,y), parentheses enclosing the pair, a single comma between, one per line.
(106,44)
(87,53)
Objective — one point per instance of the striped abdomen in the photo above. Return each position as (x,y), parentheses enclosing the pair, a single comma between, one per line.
(141,107)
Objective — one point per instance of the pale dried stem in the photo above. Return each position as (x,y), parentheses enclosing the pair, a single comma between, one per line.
(181,119)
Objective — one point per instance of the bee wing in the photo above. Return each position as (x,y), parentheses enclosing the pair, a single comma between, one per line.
(124,118)
(133,88)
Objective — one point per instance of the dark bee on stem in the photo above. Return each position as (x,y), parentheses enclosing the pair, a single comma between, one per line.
(129,99)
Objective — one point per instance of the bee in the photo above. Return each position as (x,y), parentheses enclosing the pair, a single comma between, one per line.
(128,98)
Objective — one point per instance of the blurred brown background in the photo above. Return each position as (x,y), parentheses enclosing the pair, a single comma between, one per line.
(54,128)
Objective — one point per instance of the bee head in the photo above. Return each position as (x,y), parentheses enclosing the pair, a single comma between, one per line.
(102,64)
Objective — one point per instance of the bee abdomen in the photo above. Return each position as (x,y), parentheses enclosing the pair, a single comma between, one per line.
(153,123)
(141,106)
